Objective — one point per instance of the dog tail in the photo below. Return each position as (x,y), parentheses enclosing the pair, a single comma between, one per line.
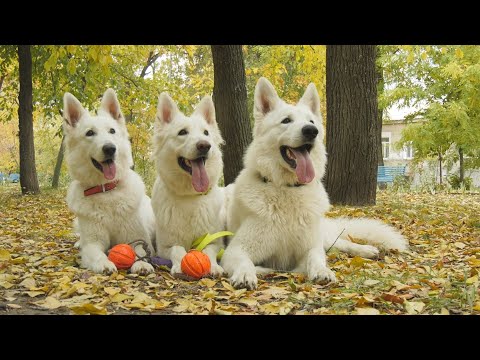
(372,231)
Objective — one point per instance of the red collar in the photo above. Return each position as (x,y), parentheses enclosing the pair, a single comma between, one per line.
(101,188)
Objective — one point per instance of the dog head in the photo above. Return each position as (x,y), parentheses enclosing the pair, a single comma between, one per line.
(97,147)
(187,149)
(288,139)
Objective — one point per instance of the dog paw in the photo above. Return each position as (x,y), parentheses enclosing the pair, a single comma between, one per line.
(176,269)
(322,275)
(142,268)
(216,270)
(103,266)
(368,252)
(244,279)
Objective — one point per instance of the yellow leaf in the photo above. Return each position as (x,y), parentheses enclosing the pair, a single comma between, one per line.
(210,294)
(34,293)
(88,309)
(117,298)
(207,282)
(414,307)
(248,301)
(4,255)
(459,53)
(49,303)
(367,311)
(444,312)
(370,282)
(227,286)
(477,306)
(357,261)
(6,284)
(111,290)
(28,283)
(459,245)
(472,280)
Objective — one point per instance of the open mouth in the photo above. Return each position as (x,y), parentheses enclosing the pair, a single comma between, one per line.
(196,168)
(299,159)
(107,167)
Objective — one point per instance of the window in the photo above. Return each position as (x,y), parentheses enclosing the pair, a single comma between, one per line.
(408,151)
(386,147)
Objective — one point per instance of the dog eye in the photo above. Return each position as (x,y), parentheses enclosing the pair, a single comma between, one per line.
(90,133)
(183,132)
(286,121)
(312,121)
(112,131)
(206,132)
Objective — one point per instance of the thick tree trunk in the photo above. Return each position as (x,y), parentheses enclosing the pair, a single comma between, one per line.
(28,173)
(58,164)
(380,88)
(352,126)
(230,96)
(462,167)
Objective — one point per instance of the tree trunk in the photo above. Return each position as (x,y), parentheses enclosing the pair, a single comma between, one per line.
(28,173)
(352,133)
(440,164)
(58,164)
(380,88)
(462,167)
(230,96)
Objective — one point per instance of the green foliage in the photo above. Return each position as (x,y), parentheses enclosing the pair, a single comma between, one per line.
(454,181)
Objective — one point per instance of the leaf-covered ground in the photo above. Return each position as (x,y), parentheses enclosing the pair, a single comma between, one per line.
(39,272)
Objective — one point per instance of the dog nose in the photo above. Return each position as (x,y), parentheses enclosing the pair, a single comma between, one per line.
(109,149)
(203,147)
(309,132)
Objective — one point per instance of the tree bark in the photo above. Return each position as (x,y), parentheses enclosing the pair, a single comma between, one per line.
(380,88)
(28,172)
(352,125)
(230,96)
(462,166)
(58,164)
(440,164)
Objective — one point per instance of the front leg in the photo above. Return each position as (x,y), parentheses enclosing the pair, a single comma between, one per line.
(140,266)
(94,243)
(211,250)
(315,265)
(175,254)
(251,244)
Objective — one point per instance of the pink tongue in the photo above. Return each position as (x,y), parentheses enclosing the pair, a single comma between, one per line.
(305,171)
(109,170)
(199,176)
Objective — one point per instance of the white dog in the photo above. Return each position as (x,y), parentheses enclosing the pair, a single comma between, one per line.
(186,199)
(107,197)
(278,203)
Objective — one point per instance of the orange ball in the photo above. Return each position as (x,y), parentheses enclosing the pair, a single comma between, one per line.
(196,264)
(122,255)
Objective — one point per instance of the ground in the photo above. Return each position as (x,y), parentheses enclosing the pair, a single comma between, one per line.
(39,272)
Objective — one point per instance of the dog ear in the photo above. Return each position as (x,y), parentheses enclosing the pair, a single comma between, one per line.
(266,98)
(111,105)
(166,108)
(311,99)
(206,109)
(72,109)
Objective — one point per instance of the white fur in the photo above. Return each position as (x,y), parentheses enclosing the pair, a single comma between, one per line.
(181,213)
(119,216)
(283,227)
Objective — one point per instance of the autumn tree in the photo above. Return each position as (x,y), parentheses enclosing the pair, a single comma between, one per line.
(352,111)
(230,96)
(28,172)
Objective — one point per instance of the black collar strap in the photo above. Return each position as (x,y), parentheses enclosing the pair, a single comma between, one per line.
(266,180)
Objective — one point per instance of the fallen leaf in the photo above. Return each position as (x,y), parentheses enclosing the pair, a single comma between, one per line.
(357,261)
(367,311)
(208,282)
(14,306)
(472,280)
(34,293)
(370,282)
(49,303)
(4,255)
(111,290)
(28,283)
(6,284)
(88,309)
(414,307)
(393,298)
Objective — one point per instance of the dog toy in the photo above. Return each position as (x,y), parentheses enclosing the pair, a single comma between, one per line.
(196,264)
(122,255)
